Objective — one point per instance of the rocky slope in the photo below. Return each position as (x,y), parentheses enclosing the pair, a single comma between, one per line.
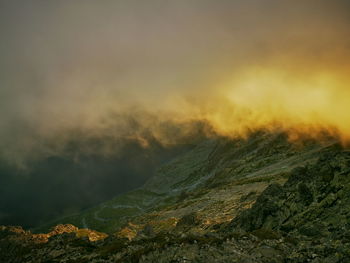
(256,200)
(214,175)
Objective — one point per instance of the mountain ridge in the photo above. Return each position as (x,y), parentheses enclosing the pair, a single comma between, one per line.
(242,200)
(190,170)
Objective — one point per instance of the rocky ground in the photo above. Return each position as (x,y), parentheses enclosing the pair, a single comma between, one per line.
(259,200)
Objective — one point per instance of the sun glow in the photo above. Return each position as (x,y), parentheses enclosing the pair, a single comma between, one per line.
(274,99)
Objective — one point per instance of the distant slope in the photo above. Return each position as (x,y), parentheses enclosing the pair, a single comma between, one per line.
(214,174)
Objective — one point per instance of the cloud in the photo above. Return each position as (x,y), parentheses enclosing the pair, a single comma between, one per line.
(236,66)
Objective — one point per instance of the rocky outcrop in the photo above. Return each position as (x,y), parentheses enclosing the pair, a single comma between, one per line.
(312,208)
(18,245)
(272,203)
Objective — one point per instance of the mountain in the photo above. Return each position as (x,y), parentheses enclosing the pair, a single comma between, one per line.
(259,199)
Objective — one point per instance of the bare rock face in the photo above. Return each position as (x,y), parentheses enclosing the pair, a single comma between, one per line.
(313,207)
(60,229)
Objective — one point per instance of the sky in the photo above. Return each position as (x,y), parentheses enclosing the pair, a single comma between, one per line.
(99,74)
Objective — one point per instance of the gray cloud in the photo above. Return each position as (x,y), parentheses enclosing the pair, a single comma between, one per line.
(68,65)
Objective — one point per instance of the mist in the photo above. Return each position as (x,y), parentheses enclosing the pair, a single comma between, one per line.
(81,80)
